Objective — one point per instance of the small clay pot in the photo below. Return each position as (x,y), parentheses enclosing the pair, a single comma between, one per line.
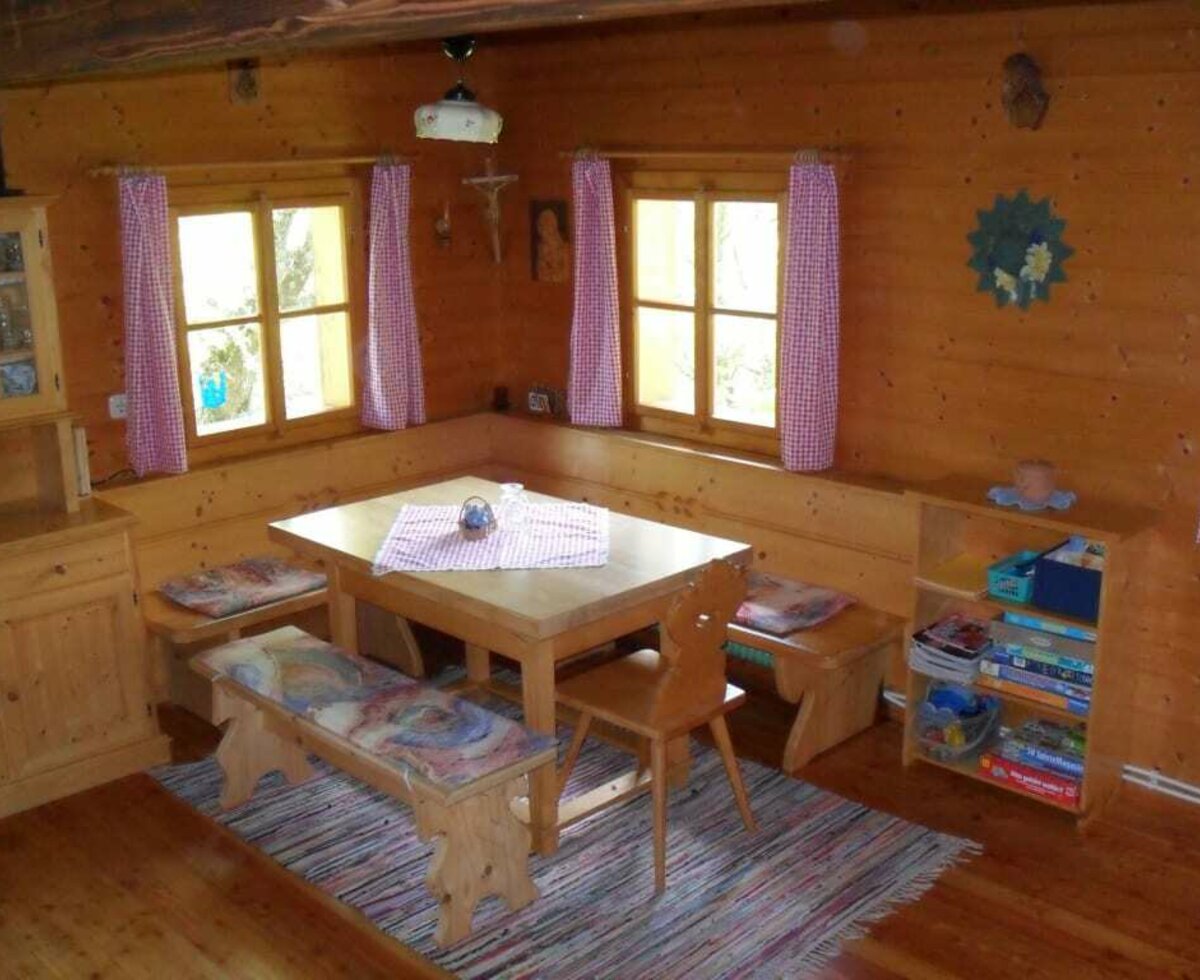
(1033,479)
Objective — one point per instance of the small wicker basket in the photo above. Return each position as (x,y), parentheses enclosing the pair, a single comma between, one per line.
(476,519)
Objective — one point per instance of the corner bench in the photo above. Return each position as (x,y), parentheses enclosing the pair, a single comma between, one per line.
(834,671)
(286,693)
(177,632)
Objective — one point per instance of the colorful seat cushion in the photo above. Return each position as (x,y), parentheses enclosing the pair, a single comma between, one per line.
(781,606)
(298,670)
(409,725)
(246,584)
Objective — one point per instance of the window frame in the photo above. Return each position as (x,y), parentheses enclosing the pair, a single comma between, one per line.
(704,188)
(259,199)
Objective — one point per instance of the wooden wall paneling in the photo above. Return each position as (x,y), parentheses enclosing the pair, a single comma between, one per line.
(220,514)
(852,536)
(357,103)
(304,478)
(935,379)
(686,481)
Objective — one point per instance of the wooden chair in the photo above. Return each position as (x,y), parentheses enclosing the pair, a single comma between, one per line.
(664,696)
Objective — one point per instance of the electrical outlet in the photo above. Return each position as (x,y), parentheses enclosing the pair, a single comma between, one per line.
(116,406)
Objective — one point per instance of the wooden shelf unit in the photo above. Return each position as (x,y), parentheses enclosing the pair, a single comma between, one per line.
(959,534)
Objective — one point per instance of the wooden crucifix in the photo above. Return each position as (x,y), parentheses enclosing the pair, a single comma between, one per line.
(490,185)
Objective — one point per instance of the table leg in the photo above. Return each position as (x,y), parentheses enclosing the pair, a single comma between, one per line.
(343,613)
(537,688)
(479,664)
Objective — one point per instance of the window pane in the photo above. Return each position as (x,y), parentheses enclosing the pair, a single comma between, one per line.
(316,364)
(227,378)
(220,272)
(310,257)
(744,369)
(745,255)
(666,359)
(666,251)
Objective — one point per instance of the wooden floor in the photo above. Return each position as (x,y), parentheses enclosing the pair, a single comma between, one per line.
(125,881)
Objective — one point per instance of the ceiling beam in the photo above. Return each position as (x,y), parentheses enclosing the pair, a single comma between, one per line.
(48,41)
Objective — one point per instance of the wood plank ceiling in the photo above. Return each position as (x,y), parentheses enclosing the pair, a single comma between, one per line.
(41,41)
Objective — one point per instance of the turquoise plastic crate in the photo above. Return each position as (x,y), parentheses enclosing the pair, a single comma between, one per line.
(743,652)
(1009,585)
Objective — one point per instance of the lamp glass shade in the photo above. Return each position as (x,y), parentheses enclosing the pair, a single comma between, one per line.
(459,120)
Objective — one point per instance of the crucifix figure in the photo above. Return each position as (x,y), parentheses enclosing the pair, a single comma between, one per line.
(490,185)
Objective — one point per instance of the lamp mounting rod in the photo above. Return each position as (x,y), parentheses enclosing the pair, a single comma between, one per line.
(459,48)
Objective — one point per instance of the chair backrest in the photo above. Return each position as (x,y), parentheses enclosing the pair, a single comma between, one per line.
(694,637)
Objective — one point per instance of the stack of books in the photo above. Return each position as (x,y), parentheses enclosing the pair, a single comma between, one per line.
(1041,757)
(1040,666)
(952,649)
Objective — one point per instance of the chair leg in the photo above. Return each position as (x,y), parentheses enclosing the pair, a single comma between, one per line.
(643,758)
(658,784)
(720,733)
(581,731)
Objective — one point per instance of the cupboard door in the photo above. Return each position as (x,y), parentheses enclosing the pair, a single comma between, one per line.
(72,676)
(30,380)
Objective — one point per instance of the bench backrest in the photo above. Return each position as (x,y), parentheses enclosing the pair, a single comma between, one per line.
(219,514)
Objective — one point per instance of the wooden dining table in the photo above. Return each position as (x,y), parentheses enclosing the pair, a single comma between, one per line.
(537,617)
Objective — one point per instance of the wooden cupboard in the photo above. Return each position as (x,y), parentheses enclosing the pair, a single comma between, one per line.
(75,709)
(30,360)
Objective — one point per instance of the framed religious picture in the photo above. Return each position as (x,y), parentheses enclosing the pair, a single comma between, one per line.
(550,241)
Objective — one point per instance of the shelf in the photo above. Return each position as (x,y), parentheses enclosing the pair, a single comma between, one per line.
(1033,705)
(959,533)
(10,356)
(1089,517)
(970,769)
(963,577)
(1017,607)
(966,578)
(11,278)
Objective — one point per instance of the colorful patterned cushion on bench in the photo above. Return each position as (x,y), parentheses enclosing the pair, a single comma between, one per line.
(781,606)
(247,584)
(449,740)
(299,671)
(409,725)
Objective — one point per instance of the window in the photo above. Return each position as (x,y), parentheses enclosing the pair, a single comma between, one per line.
(703,306)
(265,311)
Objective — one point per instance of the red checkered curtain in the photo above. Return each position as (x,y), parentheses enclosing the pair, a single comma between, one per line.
(808,396)
(393,385)
(594,389)
(154,435)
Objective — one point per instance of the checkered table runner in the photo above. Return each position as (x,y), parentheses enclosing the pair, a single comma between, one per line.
(426,539)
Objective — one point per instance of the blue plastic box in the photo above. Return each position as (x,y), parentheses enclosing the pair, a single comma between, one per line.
(1067,589)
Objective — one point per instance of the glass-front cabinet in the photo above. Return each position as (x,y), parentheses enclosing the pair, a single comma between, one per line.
(30,361)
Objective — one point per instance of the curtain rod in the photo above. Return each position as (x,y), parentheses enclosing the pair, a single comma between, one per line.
(116,170)
(811,154)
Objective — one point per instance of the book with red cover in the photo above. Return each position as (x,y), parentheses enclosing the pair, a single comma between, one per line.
(1048,785)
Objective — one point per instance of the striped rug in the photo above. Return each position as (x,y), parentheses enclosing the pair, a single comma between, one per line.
(778,903)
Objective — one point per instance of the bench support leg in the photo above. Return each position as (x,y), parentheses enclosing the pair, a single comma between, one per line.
(801,743)
(249,750)
(482,849)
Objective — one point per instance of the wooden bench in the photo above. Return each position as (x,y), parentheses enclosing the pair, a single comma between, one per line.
(178,633)
(286,693)
(833,671)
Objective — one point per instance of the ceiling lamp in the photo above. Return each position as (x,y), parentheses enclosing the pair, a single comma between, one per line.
(458,116)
